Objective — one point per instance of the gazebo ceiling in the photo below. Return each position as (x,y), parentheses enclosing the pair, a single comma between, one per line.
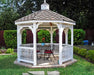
(47,15)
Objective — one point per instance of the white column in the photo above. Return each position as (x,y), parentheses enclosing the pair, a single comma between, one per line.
(34,44)
(72,36)
(66,37)
(72,42)
(51,32)
(19,42)
(60,44)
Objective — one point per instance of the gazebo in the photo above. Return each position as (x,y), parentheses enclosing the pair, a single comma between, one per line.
(47,20)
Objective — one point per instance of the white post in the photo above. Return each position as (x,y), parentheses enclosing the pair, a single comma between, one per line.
(72,36)
(34,44)
(51,32)
(72,41)
(66,37)
(19,42)
(60,44)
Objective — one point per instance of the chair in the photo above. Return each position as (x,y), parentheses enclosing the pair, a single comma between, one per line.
(49,52)
(38,51)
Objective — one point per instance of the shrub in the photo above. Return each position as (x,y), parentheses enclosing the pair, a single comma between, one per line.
(0,52)
(79,35)
(43,34)
(90,55)
(76,49)
(10,37)
(82,52)
(10,50)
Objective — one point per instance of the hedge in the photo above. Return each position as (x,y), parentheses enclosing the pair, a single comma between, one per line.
(10,37)
(82,52)
(88,54)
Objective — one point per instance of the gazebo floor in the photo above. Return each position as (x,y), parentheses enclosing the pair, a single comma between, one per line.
(50,63)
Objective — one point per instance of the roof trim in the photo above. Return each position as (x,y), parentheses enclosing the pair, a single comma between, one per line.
(26,22)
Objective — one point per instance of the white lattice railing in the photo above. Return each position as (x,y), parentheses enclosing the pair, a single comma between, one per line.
(26,54)
(67,53)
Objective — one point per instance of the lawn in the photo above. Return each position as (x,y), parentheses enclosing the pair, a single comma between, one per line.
(82,67)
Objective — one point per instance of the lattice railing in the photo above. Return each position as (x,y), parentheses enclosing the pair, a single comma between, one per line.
(26,54)
(67,53)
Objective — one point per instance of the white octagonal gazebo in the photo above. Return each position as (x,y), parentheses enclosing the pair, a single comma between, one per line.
(47,20)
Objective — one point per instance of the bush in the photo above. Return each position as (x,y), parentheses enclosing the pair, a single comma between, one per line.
(0,52)
(79,35)
(10,50)
(82,52)
(43,34)
(10,37)
(90,55)
(76,49)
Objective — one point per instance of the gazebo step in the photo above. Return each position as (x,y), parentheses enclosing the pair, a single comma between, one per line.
(25,74)
(53,73)
(36,72)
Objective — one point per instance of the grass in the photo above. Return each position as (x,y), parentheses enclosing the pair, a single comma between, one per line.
(81,67)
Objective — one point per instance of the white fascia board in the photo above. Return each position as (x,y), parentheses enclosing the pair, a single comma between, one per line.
(27,22)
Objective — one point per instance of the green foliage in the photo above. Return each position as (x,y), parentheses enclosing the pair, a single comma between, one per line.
(24,37)
(0,52)
(10,37)
(10,50)
(78,10)
(43,34)
(82,52)
(2,48)
(7,18)
(76,49)
(79,35)
(90,55)
(85,53)
(54,36)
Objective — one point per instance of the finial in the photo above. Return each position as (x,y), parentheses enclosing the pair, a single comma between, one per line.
(44,1)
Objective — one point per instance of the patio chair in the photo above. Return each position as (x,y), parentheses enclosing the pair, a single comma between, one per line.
(38,51)
(49,52)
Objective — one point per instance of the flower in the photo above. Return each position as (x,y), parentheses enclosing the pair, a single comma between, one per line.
(43,39)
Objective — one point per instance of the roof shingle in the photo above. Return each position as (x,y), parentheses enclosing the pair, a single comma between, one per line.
(45,15)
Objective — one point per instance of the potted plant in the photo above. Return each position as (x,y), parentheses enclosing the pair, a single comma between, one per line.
(3,50)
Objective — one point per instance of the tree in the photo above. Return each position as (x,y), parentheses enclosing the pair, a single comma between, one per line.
(7,18)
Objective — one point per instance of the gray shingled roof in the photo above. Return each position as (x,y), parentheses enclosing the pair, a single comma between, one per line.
(45,15)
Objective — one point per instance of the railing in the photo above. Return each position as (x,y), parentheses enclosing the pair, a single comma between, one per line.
(67,53)
(26,54)
(41,48)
